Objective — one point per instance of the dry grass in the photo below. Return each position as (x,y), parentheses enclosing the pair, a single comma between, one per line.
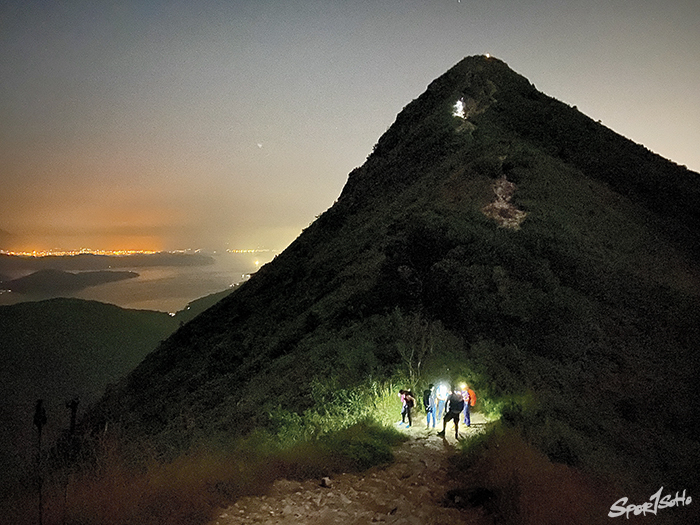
(529,489)
(112,492)
(116,489)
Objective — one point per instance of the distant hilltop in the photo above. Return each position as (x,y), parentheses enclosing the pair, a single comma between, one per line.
(52,282)
(12,262)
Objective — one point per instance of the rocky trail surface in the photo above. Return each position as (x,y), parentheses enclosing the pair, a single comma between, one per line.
(414,490)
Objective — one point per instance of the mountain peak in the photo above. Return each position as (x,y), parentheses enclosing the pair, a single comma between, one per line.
(481,111)
(494,235)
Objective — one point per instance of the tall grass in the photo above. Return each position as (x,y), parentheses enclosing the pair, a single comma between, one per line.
(520,485)
(120,482)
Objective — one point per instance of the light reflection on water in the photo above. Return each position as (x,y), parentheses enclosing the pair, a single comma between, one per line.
(166,288)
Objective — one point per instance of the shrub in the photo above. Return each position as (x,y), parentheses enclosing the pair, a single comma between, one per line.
(524,487)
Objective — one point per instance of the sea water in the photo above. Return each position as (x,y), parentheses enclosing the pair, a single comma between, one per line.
(166,288)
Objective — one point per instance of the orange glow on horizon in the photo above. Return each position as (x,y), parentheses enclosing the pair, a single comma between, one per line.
(66,244)
(82,251)
(114,253)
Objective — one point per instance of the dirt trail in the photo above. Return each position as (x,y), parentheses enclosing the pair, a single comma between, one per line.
(412,490)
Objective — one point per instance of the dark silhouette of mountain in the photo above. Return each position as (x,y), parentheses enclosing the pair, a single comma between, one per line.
(198,306)
(60,349)
(52,282)
(64,349)
(96,343)
(10,264)
(494,234)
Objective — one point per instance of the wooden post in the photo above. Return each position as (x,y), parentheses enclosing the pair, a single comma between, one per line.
(39,422)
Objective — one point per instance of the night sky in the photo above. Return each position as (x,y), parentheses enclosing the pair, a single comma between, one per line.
(233,124)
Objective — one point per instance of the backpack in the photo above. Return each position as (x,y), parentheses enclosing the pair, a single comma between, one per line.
(472,397)
(456,403)
(426,398)
(409,400)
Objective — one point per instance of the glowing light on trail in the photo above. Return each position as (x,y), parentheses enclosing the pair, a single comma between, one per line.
(459,110)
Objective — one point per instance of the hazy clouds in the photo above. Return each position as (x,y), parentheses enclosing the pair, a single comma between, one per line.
(139,125)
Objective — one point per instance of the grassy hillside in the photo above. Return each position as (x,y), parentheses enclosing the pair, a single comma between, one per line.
(61,349)
(64,349)
(578,328)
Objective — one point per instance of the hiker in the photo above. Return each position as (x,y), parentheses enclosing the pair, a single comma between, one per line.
(455,405)
(429,404)
(469,397)
(410,403)
(402,397)
(441,396)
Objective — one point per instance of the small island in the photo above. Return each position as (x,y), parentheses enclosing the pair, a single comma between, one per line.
(51,282)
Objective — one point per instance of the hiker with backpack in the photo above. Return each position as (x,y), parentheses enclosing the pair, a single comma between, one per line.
(441,395)
(407,403)
(455,406)
(402,397)
(429,404)
(469,397)
(410,403)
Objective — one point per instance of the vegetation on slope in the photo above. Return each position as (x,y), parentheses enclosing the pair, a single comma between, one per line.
(61,350)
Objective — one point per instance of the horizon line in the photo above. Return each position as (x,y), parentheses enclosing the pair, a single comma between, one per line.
(121,253)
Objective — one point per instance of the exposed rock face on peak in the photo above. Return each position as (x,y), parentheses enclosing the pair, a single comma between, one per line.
(589,292)
(502,209)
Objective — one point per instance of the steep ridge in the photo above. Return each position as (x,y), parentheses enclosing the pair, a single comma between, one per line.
(575,323)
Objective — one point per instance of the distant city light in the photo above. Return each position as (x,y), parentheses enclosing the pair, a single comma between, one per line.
(81,251)
(112,253)
(256,250)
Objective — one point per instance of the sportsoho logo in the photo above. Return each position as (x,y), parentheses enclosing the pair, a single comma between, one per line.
(656,503)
